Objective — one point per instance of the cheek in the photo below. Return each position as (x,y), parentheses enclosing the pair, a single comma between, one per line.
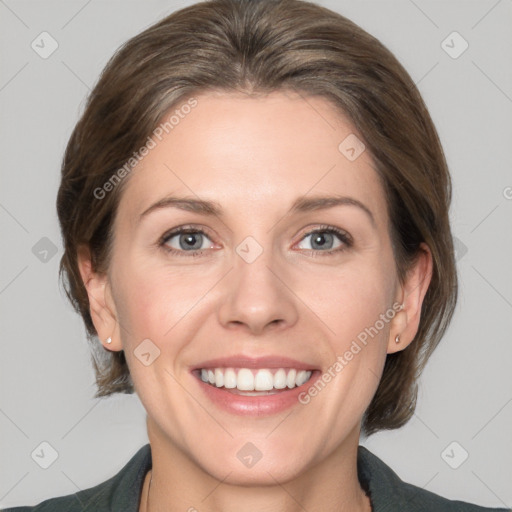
(350,298)
(153,299)
(353,304)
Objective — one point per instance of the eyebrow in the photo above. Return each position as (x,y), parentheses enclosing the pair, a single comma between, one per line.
(300,205)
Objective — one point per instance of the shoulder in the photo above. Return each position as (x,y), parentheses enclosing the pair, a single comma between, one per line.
(92,499)
(82,500)
(388,493)
(119,493)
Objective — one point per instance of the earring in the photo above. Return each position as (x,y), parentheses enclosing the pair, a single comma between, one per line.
(397,338)
(108,340)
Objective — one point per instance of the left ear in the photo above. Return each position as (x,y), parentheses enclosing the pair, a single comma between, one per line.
(406,322)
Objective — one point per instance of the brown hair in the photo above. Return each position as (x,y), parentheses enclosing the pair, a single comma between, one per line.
(256,47)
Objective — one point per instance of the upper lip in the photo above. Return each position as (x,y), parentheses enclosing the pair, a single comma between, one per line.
(244,361)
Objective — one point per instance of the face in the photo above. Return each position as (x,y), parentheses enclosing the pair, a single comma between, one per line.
(253,280)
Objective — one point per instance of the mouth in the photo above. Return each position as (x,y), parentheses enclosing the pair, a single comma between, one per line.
(254,382)
(261,386)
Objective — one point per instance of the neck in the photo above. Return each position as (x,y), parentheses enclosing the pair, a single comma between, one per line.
(177,483)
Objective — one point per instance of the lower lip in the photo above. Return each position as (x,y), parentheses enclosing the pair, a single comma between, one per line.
(255,405)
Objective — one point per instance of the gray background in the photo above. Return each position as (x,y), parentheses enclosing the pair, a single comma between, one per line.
(47,380)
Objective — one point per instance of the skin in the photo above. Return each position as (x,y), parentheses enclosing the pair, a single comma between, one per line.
(254,156)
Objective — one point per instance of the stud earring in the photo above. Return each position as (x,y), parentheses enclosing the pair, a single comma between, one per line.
(109,340)
(397,338)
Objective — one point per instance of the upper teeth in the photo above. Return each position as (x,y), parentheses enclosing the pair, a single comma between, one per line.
(246,379)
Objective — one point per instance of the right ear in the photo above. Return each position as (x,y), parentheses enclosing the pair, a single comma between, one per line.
(101,305)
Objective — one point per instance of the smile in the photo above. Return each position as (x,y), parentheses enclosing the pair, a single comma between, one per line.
(249,379)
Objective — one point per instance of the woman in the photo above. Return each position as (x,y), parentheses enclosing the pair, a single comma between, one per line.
(254,207)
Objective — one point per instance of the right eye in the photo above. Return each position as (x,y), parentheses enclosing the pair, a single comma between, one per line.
(183,240)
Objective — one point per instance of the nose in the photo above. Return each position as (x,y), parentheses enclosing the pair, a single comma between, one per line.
(257,296)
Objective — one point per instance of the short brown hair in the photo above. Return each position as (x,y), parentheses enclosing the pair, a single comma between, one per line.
(257,47)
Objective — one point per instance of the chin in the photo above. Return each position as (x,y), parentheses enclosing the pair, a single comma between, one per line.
(261,470)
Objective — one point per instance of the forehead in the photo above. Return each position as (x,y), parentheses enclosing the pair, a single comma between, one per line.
(254,153)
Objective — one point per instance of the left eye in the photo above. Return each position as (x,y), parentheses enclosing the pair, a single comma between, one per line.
(324,239)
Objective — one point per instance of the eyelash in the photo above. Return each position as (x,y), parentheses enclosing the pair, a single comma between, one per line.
(342,235)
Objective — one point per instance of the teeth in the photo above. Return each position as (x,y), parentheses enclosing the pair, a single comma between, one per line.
(255,380)
(230,378)
(219,378)
(264,381)
(302,377)
(290,379)
(245,380)
(280,379)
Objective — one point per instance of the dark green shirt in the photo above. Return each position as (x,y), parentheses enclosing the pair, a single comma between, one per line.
(122,492)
